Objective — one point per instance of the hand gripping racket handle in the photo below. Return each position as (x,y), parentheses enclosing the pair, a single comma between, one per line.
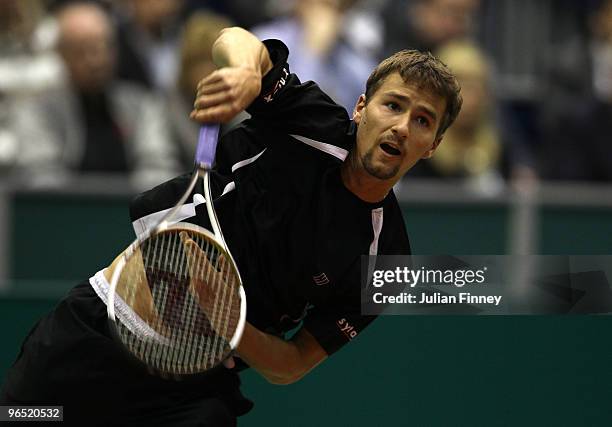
(207,146)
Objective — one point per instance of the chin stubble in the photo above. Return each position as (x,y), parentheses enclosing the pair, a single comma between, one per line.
(379,172)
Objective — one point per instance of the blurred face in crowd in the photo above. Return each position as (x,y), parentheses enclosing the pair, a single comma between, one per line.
(197,40)
(396,128)
(475,100)
(442,20)
(473,71)
(153,14)
(339,5)
(87,46)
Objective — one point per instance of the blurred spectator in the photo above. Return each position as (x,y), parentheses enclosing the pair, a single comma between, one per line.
(471,148)
(577,112)
(426,24)
(363,27)
(245,13)
(315,35)
(148,39)
(196,62)
(94,123)
(28,64)
(8,138)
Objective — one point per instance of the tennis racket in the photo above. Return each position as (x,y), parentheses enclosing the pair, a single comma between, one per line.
(176,300)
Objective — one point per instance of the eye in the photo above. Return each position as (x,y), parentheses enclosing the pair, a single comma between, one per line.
(423,121)
(393,106)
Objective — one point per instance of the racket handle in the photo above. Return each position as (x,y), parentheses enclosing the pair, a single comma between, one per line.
(207,146)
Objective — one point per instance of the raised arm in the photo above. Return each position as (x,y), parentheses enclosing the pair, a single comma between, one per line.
(243,60)
(255,76)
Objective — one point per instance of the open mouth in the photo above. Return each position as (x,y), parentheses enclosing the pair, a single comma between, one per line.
(389,149)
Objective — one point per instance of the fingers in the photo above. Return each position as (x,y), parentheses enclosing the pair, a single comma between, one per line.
(207,281)
(208,86)
(206,101)
(216,98)
(225,267)
(191,249)
(217,105)
(198,266)
(201,270)
(225,93)
(219,114)
(195,255)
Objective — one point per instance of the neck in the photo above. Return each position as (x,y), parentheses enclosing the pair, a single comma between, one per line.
(363,185)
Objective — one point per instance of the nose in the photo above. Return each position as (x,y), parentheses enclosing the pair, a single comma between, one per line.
(401,128)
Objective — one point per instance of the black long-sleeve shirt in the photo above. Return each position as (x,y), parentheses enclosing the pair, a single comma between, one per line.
(296,232)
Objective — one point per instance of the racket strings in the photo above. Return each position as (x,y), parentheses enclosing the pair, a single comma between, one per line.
(195,300)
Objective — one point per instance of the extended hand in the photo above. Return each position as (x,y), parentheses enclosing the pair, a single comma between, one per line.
(206,291)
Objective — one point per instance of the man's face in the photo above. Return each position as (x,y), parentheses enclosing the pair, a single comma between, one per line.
(396,128)
(87,48)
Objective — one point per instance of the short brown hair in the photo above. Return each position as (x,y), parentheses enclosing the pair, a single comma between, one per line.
(427,72)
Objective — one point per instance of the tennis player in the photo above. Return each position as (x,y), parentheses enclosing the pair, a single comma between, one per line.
(302,192)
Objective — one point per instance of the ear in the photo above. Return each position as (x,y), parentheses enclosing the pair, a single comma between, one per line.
(430,152)
(358,110)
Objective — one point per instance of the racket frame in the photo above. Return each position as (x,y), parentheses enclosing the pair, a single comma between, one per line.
(202,170)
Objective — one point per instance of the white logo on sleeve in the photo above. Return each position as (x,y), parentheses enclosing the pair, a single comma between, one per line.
(321,279)
(346,328)
(269,97)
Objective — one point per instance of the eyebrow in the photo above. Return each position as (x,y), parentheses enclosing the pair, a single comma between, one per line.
(406,99)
